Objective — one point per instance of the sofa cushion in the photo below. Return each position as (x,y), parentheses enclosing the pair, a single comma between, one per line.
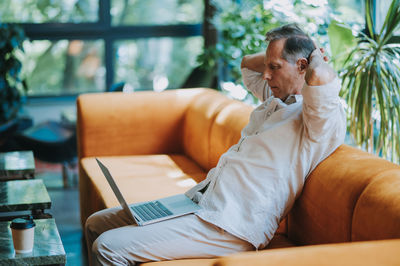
(324,211)
(226,129)
(280,241)
(141,177)
(369,253)
(132,123)
(377,212)
(198,122)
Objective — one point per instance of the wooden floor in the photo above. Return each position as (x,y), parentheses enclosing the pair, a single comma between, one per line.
(65,211)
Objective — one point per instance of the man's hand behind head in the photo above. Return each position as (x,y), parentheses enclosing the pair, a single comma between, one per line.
(319,72)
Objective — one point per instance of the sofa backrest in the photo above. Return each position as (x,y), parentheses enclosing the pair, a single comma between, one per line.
(154,124)
(350,196)
(226,129)
(212,124)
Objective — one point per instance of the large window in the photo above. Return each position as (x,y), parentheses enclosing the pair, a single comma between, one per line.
(88,45)
(43,11)
(64,66)
(156,12)
(162,62)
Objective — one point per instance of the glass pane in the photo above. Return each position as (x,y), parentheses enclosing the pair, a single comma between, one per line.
(156,12)
(156,63)
(63,67)
(39,11)
(350,11)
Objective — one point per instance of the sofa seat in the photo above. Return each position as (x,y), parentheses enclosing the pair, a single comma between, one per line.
(142,177)
(364,253)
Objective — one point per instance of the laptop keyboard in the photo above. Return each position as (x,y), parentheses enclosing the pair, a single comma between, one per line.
(151,210)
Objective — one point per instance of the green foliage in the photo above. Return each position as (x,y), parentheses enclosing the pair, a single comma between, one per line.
(241,32)
(11,85)
(341,41)
(371,86)
(39,11)
(242,28)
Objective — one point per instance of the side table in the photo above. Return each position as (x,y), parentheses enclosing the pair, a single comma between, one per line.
(47,247)
(23,195)
(17,165)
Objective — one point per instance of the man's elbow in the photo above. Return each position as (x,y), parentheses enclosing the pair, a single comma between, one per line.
(320,77)
(243,64)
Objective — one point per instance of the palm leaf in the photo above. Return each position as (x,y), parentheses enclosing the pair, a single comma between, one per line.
(371,86)
(391,21)
(369,15)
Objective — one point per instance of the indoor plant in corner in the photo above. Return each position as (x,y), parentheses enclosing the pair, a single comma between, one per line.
(371,86)
(11,84)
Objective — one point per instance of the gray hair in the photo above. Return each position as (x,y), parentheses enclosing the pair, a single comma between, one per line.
(297,45)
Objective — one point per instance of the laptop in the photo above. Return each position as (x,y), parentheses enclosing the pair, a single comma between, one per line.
(149,212)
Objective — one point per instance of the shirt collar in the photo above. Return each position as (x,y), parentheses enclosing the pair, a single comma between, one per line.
(294,98)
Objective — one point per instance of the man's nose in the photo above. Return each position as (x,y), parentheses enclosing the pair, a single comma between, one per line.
(266,75)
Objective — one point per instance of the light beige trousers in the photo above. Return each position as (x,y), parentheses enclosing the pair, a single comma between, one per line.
(113,240)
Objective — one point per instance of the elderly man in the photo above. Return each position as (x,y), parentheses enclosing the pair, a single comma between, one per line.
(256,182)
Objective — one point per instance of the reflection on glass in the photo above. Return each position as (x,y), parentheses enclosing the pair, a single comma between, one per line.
(156,63)
(33,11)
(63,67)
(350,11)
(156,12)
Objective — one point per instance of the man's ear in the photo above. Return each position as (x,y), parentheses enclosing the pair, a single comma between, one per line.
(302,65)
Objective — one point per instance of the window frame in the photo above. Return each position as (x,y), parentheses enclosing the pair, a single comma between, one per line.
(104,30)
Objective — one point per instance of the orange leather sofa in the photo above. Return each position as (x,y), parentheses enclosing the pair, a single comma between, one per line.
(160,144)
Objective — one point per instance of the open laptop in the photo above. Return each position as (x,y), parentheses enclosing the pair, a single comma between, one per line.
(152,211)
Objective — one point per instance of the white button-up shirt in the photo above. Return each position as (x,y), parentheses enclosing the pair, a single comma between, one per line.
(256,182)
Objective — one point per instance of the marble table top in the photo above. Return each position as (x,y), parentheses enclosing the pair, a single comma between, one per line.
(21,195)
(16,164)
(47,247)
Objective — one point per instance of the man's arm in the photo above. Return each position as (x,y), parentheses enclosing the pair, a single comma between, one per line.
(323,115)
(254,62)
(252,68)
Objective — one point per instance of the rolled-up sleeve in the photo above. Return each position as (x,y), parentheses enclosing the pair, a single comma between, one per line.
(322,110)
(255,84)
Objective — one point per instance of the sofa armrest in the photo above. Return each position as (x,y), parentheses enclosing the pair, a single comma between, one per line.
(131,123)
(382,252)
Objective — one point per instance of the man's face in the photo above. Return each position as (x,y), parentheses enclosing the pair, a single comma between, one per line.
(284,78)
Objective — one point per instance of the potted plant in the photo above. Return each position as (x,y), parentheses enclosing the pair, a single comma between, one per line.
(11,84)
(371,86)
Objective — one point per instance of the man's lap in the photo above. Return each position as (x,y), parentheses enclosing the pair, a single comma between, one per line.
(182,237)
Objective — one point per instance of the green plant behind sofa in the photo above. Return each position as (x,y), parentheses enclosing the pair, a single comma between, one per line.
(371,86)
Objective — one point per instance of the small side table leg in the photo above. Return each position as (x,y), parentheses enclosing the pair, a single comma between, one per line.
(40,214)
(65,174)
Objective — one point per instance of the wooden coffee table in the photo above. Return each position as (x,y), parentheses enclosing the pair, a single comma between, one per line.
(47,248)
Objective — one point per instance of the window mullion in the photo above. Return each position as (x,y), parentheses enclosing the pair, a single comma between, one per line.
(105,21)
